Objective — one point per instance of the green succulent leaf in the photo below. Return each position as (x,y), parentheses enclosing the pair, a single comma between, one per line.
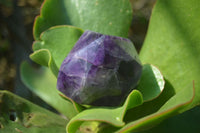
(170,46)
(43,83)
(172,43)
(54,45)
(151,83)
(77,106)
(172,107)
(113,116)
(18,115)
(103,16)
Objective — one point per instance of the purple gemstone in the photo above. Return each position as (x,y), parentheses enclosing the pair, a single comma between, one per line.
(100,70)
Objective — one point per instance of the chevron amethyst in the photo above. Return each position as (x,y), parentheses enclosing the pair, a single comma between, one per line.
(100,70)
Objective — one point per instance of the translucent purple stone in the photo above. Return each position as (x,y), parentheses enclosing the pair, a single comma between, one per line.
(100,70)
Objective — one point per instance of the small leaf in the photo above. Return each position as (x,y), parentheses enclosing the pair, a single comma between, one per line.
(103,16)
(113,116)
(20,115)
(77,106)
(43,83)
(151,83)
(43,57)
(54,45)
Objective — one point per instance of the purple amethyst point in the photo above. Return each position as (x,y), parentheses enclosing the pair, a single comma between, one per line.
(100,70)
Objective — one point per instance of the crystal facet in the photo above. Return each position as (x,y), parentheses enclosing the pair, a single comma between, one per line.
(100,70)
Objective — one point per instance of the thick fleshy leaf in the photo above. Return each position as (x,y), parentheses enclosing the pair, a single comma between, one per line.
(169,46)
(172,43)
(113,116)
(54,45)
(172,107)
(105,16)
(151,83)
(44,58)
(43,83)
(21,116)
(77,106)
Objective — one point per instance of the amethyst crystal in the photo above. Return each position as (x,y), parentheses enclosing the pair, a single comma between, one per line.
(100,70)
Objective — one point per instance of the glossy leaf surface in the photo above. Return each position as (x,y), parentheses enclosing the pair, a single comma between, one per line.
(173,106)
(170,46)
(104,16)
(151,83)
(173,44)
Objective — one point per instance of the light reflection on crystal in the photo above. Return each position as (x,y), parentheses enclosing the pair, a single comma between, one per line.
(100,70)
